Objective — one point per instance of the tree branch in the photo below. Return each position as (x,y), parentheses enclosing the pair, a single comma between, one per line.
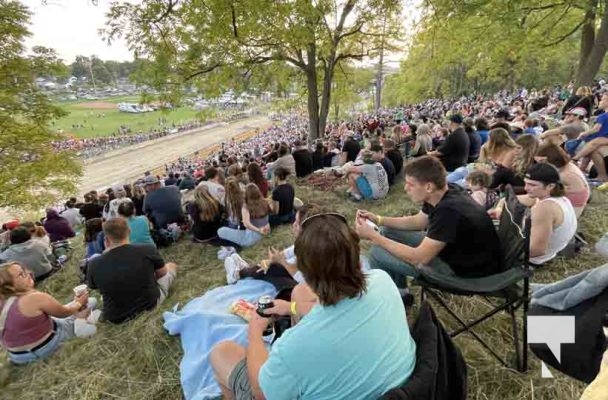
(170,6)
(203,71)
(545,7)
(566,36)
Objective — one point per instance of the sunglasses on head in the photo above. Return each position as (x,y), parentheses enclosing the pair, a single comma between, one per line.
(334,214)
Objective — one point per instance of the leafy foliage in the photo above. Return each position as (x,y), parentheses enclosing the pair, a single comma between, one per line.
(32,174)
(228,41)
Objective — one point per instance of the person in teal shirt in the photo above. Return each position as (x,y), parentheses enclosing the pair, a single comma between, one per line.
(353,344)
(139,226)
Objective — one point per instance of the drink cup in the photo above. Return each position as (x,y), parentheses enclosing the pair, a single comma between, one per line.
(80,290)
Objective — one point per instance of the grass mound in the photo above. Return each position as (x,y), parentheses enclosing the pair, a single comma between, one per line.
(138,360)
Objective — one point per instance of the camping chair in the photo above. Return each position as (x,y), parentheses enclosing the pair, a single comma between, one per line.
(510,287)
(440,372)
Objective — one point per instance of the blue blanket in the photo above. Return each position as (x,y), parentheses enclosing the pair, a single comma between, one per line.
(204,322)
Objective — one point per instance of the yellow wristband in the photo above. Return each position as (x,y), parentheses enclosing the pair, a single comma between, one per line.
(379,220)
(293,308)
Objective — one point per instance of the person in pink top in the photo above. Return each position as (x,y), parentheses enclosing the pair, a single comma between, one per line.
(33,324)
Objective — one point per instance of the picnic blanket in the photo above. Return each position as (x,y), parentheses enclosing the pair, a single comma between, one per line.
(204,322)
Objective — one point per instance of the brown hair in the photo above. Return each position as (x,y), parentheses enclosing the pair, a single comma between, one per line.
(7,283)
(255,174)
(327,250)
(116,229)
(427,169)
(208,207)
(525,158)
(499,141)
(233,199)
(556,156)
(254,201)
(308,210)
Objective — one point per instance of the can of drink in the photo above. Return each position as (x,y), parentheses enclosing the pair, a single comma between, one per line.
(265,302)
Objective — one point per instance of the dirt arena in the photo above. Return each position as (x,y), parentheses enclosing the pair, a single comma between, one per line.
(128,164)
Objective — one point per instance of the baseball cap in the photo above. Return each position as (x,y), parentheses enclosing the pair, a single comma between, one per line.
(151,180)
(543,172)
(580,111)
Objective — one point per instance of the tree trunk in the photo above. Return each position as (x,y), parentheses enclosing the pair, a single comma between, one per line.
(591,66)
(588,33)
(326,93)
(313,92)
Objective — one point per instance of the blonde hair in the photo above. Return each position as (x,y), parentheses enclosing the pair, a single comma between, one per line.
(234,199)
(208,206)
(499,141)
(584,91)
(7,282)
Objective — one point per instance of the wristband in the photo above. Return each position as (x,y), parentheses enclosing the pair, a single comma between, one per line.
(380,220)
(293,308)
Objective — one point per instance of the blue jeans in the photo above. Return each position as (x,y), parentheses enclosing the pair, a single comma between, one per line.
(458,176)
(397,268)
(572,145)
(64,331)
(243,238)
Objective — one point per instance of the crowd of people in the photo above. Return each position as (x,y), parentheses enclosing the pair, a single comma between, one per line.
(456,156)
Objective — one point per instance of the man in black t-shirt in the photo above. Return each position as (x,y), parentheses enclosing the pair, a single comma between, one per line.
(90,209)
(131,278)
(378,156)
(393,154)
(454,151)
(460,237)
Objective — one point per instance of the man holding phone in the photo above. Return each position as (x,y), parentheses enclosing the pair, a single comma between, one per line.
(460,238)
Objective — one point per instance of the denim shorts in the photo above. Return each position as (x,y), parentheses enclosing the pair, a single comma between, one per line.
(364,188)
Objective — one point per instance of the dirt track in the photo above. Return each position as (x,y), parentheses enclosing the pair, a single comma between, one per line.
(128,164)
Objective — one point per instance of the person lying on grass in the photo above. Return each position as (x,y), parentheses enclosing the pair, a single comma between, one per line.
(356,310)
(34,324)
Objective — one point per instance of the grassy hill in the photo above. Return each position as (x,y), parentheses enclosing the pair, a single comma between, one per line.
(139,361)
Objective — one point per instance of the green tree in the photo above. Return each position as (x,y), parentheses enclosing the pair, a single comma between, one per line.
(227,39)
(32,173)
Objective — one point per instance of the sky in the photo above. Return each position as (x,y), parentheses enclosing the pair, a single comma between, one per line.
(70,27)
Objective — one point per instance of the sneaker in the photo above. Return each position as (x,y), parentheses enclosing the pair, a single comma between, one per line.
(224,252)
(232,270)
(94,316)
(355,197)
(241,264)
(83,329)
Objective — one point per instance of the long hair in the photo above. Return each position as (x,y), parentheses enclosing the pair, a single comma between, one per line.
(138,192)
(328,256)
(234,199)
(255,174)
(7,283)
(208,207)
(499,141)
(256,204)
(525,158)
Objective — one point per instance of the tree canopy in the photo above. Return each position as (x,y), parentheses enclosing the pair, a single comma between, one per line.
(222,40)
(462,46)
(32,173)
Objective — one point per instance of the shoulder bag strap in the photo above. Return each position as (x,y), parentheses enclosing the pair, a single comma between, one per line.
(4,313)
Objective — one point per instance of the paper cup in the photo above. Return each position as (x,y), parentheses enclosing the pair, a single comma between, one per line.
(80,290)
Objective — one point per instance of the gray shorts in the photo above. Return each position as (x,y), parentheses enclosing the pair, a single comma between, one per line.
(238,382)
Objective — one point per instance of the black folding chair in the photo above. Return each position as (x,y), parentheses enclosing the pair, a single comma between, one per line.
(506,291)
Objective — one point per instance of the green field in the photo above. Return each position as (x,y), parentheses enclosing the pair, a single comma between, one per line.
(88,121)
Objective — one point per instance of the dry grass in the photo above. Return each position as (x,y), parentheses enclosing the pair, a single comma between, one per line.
(138,360)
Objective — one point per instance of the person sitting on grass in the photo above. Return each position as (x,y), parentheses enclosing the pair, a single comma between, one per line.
(206,214)
(356,310)
(92,238)
(131,278)
(283,195)
(162,205)
(254,213)
(33,324)
(451,233)
(256,175)
(214,183)
(378,156)
(553,219)
(34,254)
(478,183)
(367,181)
(593,138)
(57,227)
(139,227)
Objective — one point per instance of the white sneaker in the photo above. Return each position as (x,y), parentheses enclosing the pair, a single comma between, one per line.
(225,252)
(83,329)
(232,270)
(94,316)
(241,264)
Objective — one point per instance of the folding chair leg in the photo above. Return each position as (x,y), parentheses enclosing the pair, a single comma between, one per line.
(518,356)
(463,324)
